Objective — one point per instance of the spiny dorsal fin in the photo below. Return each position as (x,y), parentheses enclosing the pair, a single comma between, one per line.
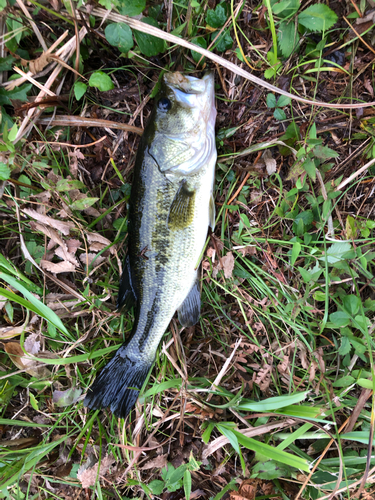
(181,212)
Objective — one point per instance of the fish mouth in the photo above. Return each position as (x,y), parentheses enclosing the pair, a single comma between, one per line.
(190,91)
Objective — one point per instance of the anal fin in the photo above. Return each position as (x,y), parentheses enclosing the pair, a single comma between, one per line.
(127,297)
(181,212)
(190,310)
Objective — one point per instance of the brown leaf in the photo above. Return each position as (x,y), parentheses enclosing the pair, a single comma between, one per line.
(39,64)
(157,462)
(24,362)
(73,245)
(63,253)
(64,227)
(88,258)
(91,237)
(228,264)
(8,332)
(96,246)
(269,161)
(249,250)
(32,345)
(61,267)
(88,476)
(263,377)
(369,87)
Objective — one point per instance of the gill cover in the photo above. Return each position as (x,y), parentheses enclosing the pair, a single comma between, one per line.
(185,115)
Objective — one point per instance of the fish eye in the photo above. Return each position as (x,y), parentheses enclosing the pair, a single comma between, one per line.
(164,104)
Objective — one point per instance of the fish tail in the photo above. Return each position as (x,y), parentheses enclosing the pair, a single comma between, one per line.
(117,386)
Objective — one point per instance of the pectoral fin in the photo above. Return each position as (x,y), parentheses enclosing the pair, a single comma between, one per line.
(127,296)
(212,213)
(181,212)
(190,309)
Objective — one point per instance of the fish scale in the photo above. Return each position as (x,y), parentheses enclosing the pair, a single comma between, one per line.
(171,208)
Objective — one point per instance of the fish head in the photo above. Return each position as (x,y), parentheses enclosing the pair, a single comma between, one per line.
(183,123)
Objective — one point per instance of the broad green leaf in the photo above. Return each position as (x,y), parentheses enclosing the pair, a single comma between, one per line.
(359,436)
(324,153)
(66,398)
(365,383)
(101,80)
(6,63)
(68,185)
(351,304)
(345,381)
(288,37)
(340,319)
(201,42)
(309,166)
(285,8)
(283,101)
(79,90)
(119,35)
(312,275)
(271,100)
(4,172)
(156,486)
(279,114)
(296,250)
(224,42)
(31,302)
(149,45)
(270,404)
(83,203)
(345,346)
(157,388)
(19,93)
(229,434)
(307,217)
(270,470)
(317,17)
(336,251)
(216,18)
(131,7)
(187,484)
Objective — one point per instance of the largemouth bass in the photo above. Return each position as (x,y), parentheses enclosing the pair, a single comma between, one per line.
(171,208)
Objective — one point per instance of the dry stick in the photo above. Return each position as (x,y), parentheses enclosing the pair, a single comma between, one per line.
(16,83)
(80,121)
(355,174)
(359,36)
(67,50)
(151,30)
(34,82)
(318,462)
(331,230)
(33,25)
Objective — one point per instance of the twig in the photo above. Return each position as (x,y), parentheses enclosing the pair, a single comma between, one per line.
(359,36)
(331,230)
(79,121)
(355,174)
(33,25)
(151,30)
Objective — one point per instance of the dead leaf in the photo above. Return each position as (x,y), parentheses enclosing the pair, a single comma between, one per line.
(263,377)
(255,196)
(61,267)
(31,344)
(66,398)
(63,253)
(88,258)
(269,161)
(228,264)
(8,332)
(369,87)
(96,246)
(249,250)
(157,462)
(91,237)
(38,65)
(64,227)
(24,362)
(87,475)
(73,245)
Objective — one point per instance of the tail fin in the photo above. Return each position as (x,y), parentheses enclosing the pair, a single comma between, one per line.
(119,383)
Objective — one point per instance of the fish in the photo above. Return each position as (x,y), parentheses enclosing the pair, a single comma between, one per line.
(171,207)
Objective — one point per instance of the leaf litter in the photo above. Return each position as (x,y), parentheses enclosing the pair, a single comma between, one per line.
(274,359)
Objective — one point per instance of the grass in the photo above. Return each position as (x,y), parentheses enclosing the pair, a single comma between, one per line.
(271,394)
